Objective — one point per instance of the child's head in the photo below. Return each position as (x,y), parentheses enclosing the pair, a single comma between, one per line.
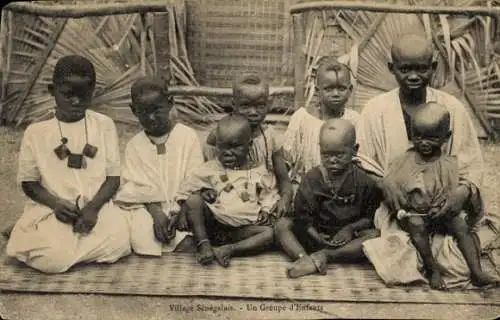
(233,140)
(430,128)
(251,98)
(73,84)
(337,144)
(152,104)
(333,83)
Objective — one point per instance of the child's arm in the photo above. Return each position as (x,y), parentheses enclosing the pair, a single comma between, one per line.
(64,210)
(315,235)
(90,210)
(284,183)
(306,207)
(162,226)
(361,224)
(197,181)
(29,177)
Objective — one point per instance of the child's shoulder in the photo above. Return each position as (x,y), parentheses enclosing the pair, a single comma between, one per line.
(208,169)
(362,177)
(185,130)
(314,174)
(99,117)
(40,125)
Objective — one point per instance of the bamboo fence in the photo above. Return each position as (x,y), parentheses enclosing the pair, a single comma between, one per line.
(125,40)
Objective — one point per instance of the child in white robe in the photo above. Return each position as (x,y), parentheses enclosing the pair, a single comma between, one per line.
(69,167)
(244,195)
(157,160)
(301,139)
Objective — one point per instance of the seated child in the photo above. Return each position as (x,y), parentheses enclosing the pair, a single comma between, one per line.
(301,139)
(157,160)
(69,167)
(251,100)
(334,206)
(427,177)
(243,194)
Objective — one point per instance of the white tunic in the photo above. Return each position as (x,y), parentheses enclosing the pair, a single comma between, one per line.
(38,238)
(151,177)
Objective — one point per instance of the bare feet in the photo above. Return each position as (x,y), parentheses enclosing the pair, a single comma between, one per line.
(483,279)
(436,280)
(301,267)
(223,255)
(205,254)
(308,265)
(320,260)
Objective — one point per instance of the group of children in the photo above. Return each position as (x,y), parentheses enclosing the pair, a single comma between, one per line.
(228,196)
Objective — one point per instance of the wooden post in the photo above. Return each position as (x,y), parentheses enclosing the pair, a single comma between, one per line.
(160,31)
(151,40)
(85,10)
(299,59)
(143,43)
(33,77)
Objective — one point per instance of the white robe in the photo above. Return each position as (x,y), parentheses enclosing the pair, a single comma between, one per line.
(382,137)
(301,140)
(229,208)
(151,177)
(38,238)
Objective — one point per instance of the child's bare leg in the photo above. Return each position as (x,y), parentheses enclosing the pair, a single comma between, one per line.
(196,219)
(250,240)
(287,240)
(351,251)
(419,235)
(471,251)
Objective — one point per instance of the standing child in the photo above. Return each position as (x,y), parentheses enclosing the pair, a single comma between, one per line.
(334,206)
(69,167)
(251,100)
(243,194)
(157,160)
(427,178)
(301,139)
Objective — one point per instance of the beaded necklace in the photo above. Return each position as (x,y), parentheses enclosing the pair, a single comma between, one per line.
(345,200)
(75,160)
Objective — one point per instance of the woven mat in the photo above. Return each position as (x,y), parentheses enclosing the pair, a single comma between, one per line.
(260,277)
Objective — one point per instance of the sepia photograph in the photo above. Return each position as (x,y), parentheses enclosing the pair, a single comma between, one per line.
(259,159)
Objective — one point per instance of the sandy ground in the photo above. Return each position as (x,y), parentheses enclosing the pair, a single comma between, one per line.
(21,306)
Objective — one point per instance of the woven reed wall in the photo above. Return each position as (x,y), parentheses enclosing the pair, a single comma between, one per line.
(227,37)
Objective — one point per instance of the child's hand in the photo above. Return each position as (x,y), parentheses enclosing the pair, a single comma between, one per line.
(87,220)
(341,238)
(179,221)
(472,219)
(209,195)
(163,229)
(394,196)
(66,211)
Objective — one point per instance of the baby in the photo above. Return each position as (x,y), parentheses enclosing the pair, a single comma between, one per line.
(427,178)
(251,100)
(243,194)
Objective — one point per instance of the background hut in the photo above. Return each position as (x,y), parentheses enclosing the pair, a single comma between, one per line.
(209,41)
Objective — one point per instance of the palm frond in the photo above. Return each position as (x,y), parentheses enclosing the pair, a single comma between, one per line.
(113,46)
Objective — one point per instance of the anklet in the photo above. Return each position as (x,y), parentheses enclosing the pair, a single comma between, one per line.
(202,241)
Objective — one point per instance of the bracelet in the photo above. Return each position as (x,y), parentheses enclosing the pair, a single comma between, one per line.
(202,241)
